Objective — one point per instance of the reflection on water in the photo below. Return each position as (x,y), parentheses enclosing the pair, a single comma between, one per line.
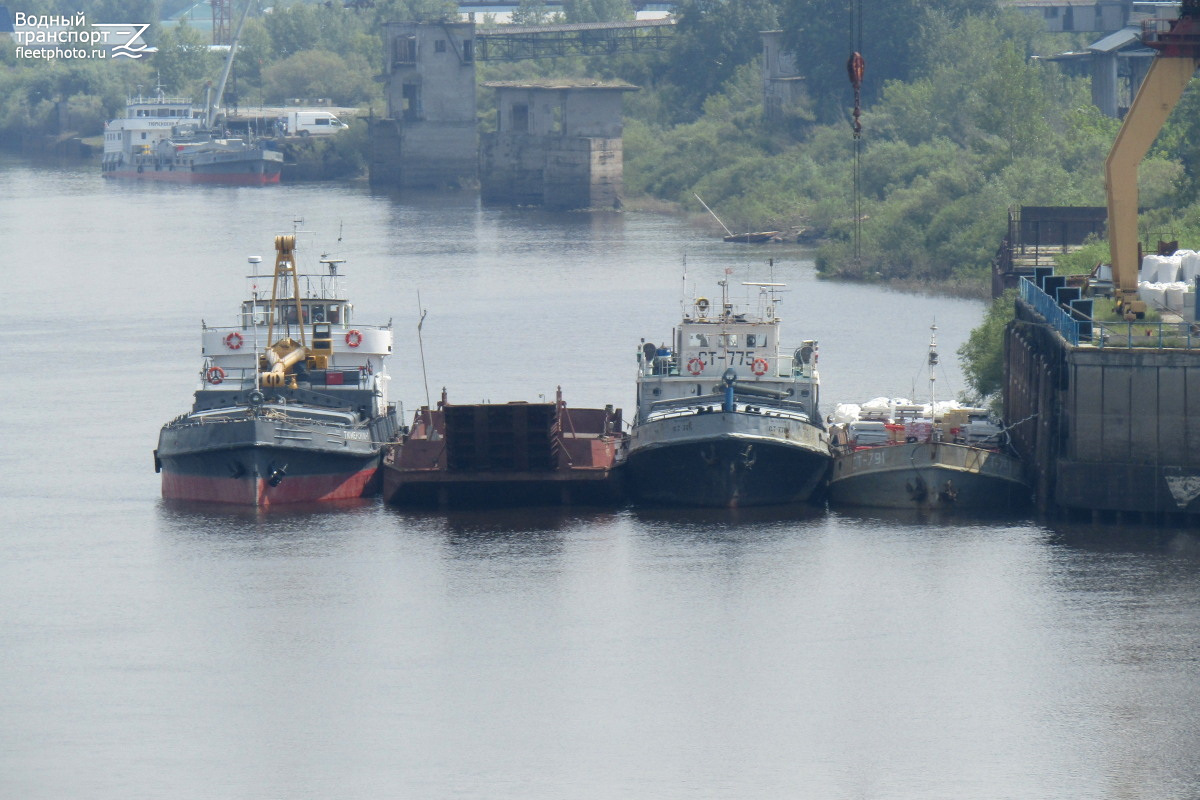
(1108,537)
(954,518)
(502,521)
(355,650)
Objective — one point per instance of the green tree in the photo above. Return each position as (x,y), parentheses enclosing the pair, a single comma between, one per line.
(822,33)
(597,10)
(712,39)
(183,60)
(530,12)
(315,74)
(982,355)
(415,11)
(1180,140)
(293,29)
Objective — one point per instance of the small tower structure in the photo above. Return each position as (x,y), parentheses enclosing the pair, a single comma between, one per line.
(222,27)
(784,88)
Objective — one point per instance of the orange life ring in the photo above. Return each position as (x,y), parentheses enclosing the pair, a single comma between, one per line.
(695,366)
(214,375)
(234,341)
(760,366)
(353,338)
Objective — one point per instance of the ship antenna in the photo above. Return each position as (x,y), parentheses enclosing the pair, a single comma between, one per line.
(933,362)
(683,288)
(421,347)
(255,261)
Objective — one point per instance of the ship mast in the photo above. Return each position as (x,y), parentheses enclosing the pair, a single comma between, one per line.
(933,362)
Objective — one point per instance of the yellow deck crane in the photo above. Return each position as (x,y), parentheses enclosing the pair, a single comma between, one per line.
(1178,44)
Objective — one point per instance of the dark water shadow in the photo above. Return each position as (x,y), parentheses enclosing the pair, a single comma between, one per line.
(500,521)
(943,518)
(1127,538)
(727,518)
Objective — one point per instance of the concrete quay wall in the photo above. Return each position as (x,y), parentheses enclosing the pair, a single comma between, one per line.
(1104,429)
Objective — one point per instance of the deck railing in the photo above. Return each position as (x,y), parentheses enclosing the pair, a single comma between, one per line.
(1158,335)
(1052,312)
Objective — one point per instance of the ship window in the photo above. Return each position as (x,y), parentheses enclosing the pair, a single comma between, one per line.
(333,313)
(755,340)
(729,340)
(698,340)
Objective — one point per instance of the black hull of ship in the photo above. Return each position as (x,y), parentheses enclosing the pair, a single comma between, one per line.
(724,473)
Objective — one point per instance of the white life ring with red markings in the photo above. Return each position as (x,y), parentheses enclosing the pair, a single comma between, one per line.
(695,366)
(353,338)
(760,366)
(234,341)
(214,375)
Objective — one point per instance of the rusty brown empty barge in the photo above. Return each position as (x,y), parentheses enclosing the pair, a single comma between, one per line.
(486,454)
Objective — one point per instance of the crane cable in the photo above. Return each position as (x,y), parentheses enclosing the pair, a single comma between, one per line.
(855,68)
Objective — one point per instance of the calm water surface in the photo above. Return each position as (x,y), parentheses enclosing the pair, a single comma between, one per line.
(357,651)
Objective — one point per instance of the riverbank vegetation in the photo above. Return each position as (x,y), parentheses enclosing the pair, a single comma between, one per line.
(962,116)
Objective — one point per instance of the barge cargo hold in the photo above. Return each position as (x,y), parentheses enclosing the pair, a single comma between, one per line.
(504,454)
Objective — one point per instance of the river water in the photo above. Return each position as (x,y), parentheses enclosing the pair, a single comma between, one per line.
(359,651)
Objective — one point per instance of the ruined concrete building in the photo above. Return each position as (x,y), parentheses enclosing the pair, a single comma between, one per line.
(429,137)
(557,144)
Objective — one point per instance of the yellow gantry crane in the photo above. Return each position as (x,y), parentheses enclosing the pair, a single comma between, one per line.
(1178,44)
(277,360)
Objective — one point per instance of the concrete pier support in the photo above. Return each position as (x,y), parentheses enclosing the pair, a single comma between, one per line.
(1104,429)
(557,144)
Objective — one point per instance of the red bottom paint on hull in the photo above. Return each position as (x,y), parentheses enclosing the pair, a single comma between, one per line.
(259,492)
(229,179)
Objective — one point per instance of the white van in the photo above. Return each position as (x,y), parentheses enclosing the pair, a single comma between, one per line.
(311,123)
